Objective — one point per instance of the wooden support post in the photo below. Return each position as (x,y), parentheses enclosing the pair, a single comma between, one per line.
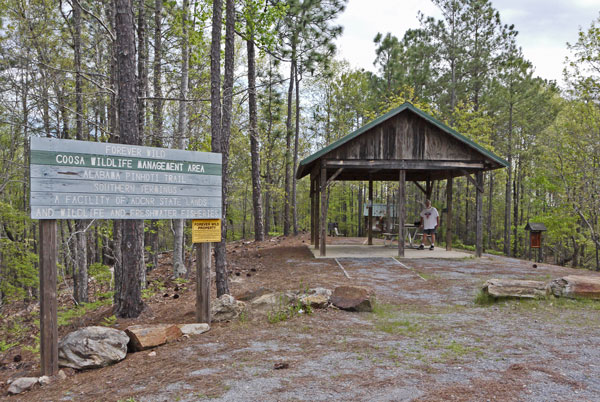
(479,214)
(449,214)
(203,282)
(401,210)
(370,220)
(312,209)
(323,225)
(317,212)
(48,304)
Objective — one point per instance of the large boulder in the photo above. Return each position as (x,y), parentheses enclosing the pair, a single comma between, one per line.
(22,384)
(514,288)
(353,298)
(148,336)
(92,347)
(226,308)
(576,286)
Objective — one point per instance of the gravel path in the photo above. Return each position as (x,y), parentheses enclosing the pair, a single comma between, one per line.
(426,341)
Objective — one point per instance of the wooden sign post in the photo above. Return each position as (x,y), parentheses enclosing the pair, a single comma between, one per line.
(48,305)
(204,232)
(91,180)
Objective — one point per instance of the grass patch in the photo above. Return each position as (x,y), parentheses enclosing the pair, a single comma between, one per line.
(484,298)
(456,350)
(387,320)
(402,327)
(153,288)
(66,316)
(4,346)
(284,313)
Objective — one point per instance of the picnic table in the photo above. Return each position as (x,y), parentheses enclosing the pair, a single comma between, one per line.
(411,231)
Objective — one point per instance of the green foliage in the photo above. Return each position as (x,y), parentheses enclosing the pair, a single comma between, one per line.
(67,315)
(285,312)
(101,273)
(4,346)
(109,321)
(18,264)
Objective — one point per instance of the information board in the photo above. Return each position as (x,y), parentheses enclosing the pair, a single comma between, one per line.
(206,231)
(90,180)
(380,210)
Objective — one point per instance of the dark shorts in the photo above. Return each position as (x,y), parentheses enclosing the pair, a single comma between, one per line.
(429,231)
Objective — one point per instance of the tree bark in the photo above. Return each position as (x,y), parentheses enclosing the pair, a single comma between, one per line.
(288,150)
(224,131)
(259,233)
(179,268)
(129,299)
(508,191)
(157,119)
(80,277)
(296,141)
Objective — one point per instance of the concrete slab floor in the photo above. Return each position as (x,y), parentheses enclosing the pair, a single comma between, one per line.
(377,251)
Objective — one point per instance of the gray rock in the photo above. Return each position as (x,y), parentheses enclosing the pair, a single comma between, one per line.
(352,298)
(226,308)
(315,301)
(92,347)
(271,301)
(45,380)
(193,329)
(514,288)
(21,385)
(249,296)
(61,375)
(320,292)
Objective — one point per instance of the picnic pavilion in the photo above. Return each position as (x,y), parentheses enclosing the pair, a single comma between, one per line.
(405,144)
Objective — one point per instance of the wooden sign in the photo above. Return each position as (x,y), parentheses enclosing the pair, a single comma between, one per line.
(206,231)
(90,180)
(536,239)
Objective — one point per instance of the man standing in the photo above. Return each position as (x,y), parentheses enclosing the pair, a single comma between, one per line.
(430,220)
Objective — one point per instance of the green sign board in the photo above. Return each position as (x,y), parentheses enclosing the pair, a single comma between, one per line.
(89,180)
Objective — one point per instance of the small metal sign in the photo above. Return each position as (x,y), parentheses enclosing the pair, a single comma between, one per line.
(206,231)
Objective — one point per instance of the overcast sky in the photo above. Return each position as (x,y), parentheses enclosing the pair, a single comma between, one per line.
(545,26)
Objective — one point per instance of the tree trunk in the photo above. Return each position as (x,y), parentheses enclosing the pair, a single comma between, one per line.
(296,141)
(114,138)
(259,233)
(157,120)
(288,150)
(142,88)
(129,298)
(225,125)
(179,268)
(80,275)
(508,191)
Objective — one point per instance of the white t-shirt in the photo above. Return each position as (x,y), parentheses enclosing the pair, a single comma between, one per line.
(429,216)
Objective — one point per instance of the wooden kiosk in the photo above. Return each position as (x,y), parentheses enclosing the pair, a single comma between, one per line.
(405,144)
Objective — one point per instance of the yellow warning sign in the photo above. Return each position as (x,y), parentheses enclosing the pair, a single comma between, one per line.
(206,230)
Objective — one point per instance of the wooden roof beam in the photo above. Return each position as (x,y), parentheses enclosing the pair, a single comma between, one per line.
(404,164)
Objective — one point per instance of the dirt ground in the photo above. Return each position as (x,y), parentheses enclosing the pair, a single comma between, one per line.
(427,339)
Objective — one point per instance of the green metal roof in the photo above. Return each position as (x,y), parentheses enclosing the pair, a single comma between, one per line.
(390,114)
